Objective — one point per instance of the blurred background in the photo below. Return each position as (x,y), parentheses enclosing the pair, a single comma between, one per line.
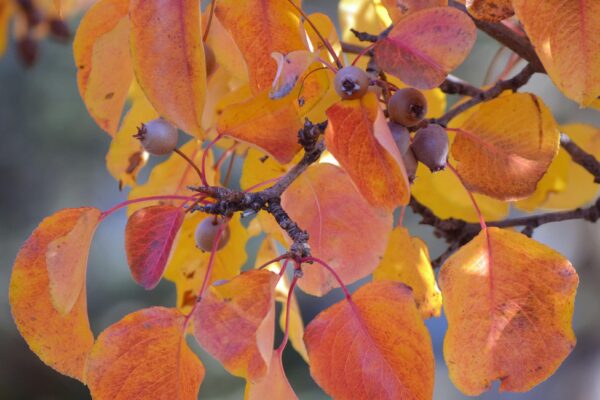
(52,157)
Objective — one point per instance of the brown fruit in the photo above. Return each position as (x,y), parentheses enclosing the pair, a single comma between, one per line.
(407,107)
(401,136)
(206,233)
(210,59)
(431,146)
(351,83)
(158,137)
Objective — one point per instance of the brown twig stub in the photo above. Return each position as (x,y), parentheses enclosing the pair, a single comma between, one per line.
(454,85)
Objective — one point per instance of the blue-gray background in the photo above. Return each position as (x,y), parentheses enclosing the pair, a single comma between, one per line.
(52,157)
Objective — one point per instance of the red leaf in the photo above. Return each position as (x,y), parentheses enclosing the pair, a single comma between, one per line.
(425,46)
(149,236)
(235,323)
(145,357)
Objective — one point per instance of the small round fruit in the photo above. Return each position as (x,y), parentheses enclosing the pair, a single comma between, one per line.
(431,146)
(206,233)
(401,136)
(410,164)
(158,137)
(351,83)
(210,59)
(407,107)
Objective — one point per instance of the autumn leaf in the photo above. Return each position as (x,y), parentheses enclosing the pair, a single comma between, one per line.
(234,322)
(425,46)
(326,28)
(6,11)
(145,356)
(290,67)
(344,230)
(362,15)
(443,193)
(261,27)
(66,260)
(168,59)
(361,145)
(399,9)
(62,341)
(504,148)
(149,236)
(172,177)
(273,386)
(187,265)
(271,125)
(505,292)
(104,69)
(490,10)
(406,260)
(373,347)
(571,54)
(576,187)
(125,157)
(227,53)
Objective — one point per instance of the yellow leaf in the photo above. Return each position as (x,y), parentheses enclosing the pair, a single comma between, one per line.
(364,16)
(571,52)
(406,260)
(509,303)
(504,149)
(125,157)
(172,177)
(443,193)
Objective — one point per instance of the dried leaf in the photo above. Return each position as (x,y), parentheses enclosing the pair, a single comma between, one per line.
(490,10)
(145,356)
(375,347)
(509,303)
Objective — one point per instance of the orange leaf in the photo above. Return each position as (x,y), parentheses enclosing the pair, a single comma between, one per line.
(425,46)
(490,10)
(273,386)
(344,230)
(374,347)
(261,27)
(406,260)
(509,303)
(235,323)
(168,59)
(145,356)
(571,54)
(399,9)
(505,148)
(6,11)
(149,236)
(104,70)
(61,341)
(66,260)
(364,151)
(272,125)
(289,69)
